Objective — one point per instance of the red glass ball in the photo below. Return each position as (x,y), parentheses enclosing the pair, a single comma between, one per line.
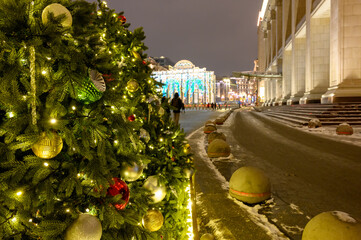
(119,187)
(122,19)
(131,118)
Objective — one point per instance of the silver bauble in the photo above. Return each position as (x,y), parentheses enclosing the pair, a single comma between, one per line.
(158,189)
(131,172)
(86,227)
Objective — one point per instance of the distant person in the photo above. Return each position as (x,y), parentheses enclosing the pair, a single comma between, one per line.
(178,105)
(212,106)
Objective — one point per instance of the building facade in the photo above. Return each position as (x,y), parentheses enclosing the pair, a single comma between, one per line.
(236,89)
(309,51)
(193,84)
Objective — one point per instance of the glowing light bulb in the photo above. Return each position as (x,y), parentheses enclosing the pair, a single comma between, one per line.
(53,121)
(161,140)
(14,219)
(116,142)
(49,58)
(67,210)
(30,220)
(99,13)
(87,210)
(44,72)
(46,164)
(11,114)
(73,107)
(19,193)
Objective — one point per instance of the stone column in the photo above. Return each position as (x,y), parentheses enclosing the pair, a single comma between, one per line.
(274,35)
(286,76)
(345,52)
(279,15)
(298,61)
(317,53)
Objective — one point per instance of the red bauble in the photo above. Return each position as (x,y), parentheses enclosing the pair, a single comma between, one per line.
(122,19)
(119,187)
(144,62)
(131,118)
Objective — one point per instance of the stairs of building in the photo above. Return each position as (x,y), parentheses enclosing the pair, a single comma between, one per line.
(328,114)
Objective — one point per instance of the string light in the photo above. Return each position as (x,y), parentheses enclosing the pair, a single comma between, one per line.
(46,164)
(67,210)
(73,107)
(14,219)
(116,142)
(99,13)
(87,210)
(11,114)
(53,121)
(19,193)
(30,220)
(44,72)
(161,139)
(49,58)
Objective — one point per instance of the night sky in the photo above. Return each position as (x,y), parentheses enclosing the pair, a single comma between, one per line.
(220,35)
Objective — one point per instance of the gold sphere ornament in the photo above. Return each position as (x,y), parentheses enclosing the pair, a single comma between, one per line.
(85,227)
(57,10)
(48,145)
(153,220)
(132,86)
(154,186)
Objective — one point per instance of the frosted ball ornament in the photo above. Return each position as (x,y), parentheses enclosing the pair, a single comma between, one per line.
(85,227)
(153,220)
(131,172)
(48,146)
(154,186)
(57,9)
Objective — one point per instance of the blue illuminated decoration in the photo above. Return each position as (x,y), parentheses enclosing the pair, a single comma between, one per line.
(193,84)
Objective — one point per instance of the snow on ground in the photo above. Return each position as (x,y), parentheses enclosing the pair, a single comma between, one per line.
(259,219)
(330,132)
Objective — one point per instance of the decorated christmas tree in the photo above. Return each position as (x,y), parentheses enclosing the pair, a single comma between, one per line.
(87,151)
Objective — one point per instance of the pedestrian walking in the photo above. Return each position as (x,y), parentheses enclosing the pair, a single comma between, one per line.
(177,106)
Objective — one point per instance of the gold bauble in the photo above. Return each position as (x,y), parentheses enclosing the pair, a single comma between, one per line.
(48,146)
(57,9)
(153,220)
(187,148)
(132,85)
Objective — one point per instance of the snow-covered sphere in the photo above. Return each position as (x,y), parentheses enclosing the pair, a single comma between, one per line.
(344,129)
(86,227)
(250,185)
(334,225)
(158,189)
(57,9)
(218,148)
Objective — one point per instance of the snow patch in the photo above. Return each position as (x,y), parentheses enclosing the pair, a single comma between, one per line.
(292,229)
(296,209)
(261,220)
(216,224)
(344,217)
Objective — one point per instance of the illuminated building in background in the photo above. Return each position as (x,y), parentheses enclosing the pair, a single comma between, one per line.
(236,89)
(194,85)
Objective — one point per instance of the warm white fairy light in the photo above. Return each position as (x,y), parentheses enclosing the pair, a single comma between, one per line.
(11,115)
(73,107)
(67,210)
(116,142)
(30,220)
(14,219)
(87,210)
(24,97)
(151,147)
(53,121)
(110,52)
(161,139)
(99,13)
(19,193)
(105,3)
(46,164)
(190,218)
(49,58)
(44,72)
(114,15)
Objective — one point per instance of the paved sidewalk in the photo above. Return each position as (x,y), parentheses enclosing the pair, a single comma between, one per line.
(218,213)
